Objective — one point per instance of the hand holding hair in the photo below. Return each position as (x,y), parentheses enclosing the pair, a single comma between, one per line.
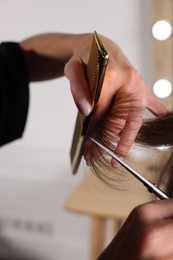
(124,91)
(54,54)
(117,117)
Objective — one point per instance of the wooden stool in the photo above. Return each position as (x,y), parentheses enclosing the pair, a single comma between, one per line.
(94,198)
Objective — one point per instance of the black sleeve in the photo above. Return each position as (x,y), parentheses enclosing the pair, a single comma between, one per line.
(14,92)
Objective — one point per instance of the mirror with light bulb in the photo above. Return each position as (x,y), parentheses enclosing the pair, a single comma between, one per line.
(162,42)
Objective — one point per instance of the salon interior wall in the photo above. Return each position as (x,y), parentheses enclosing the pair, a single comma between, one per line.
(35,174)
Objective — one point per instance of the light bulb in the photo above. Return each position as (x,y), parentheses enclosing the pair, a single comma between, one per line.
(162,88)
(162,30)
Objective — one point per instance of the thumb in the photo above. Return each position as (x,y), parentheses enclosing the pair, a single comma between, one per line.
(75,72)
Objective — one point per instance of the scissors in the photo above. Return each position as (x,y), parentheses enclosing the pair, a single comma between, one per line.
(150,186)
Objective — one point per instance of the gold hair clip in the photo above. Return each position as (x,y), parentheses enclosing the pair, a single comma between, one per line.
(96,68)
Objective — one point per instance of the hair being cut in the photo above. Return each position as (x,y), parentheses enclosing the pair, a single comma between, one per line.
(153,133)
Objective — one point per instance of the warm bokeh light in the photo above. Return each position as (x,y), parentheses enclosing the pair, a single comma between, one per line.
(161,30)
(162,88)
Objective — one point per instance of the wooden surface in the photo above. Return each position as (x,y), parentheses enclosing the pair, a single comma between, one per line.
(93,197)
(97,200)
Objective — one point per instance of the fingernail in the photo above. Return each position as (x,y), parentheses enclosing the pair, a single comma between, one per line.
(115,163)
(85,107)
(88,163)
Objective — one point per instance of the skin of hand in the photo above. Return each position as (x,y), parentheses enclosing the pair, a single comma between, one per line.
(120,76)
(53,55)
(146,234)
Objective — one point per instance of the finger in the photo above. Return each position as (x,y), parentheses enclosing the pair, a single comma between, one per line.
(129,132)
(75,72)
(152,212)
(153,104)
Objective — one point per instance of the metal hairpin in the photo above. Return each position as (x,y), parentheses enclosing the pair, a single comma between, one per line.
(150,186)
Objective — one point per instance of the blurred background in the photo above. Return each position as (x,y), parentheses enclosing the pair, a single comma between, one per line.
(35,172)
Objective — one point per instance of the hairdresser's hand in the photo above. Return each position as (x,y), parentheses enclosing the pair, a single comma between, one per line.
(121,81)
(146,234)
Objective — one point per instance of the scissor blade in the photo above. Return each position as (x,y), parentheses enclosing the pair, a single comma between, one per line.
(151,187)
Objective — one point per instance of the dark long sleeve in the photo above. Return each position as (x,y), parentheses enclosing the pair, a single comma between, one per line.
(14,93)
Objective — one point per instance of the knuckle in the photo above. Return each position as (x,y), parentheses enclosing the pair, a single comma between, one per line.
(67,67)
(136,76)
(133,75)
(141,213)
